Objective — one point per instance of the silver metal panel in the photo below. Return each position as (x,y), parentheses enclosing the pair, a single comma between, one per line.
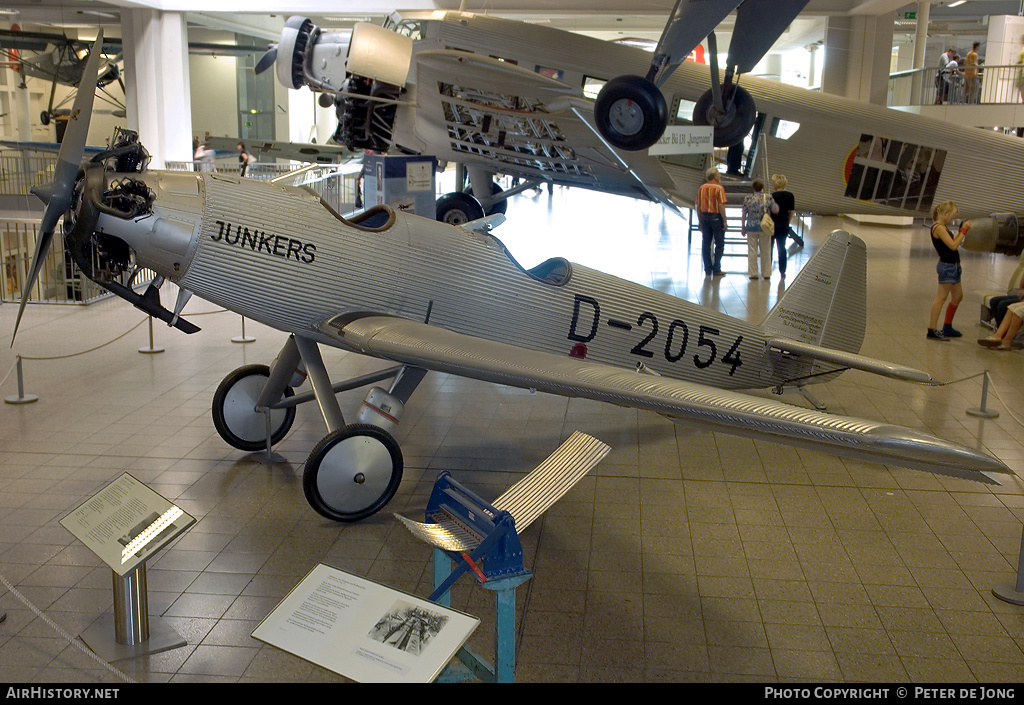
(548,482)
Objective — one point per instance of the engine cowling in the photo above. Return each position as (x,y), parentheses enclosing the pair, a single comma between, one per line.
(998,232)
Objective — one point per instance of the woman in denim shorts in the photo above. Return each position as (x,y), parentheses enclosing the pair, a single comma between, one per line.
(947,246)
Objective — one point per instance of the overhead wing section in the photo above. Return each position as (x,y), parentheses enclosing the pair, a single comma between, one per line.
(759,23)
(296,151)
(850,360)
(432,348)
(520,122)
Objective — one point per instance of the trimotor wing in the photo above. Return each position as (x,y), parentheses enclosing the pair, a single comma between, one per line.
(432,348)
(512,120)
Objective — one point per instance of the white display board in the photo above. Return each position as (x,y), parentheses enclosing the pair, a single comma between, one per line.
(126,523)
(365,631)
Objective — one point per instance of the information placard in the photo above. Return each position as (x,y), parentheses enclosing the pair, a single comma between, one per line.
(365,631)
(685,139)
(126,523)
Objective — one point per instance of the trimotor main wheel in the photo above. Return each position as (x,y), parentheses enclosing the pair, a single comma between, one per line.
(732,124)
(498,206)
(353,472)
(458,208)
(234,410)
(631,113)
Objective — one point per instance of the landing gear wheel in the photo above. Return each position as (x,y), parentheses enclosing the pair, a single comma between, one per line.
(353,472)
(458,208)
(234,410)
(498,206)
(44,117)
(631,113)
(732,125)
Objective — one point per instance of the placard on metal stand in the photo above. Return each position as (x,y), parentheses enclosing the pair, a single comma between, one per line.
(125,524)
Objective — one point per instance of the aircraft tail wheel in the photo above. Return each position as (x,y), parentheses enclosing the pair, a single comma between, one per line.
(498,206)
(631,113)
(732,125)
(458,208)
(353,472)
(234,410)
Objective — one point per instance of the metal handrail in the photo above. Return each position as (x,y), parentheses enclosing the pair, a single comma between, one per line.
(60,280)
(994,85)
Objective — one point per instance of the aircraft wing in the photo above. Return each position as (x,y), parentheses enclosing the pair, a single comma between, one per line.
(516,121)
(295,151)
(421,345)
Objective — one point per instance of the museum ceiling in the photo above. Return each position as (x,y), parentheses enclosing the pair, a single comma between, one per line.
(263,18)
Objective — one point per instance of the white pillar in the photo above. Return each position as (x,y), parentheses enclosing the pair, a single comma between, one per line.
(858,51)
(924,10)
(157,83)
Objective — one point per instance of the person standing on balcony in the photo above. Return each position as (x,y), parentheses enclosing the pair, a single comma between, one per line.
(1018,78)
(972,82)
(951,75)
(940,78)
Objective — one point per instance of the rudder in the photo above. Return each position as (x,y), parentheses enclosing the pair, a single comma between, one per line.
(826,304)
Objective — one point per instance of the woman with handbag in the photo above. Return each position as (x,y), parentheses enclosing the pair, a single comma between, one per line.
(756,206)
(785,204)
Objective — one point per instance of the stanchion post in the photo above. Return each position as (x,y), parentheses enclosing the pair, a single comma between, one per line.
(243,338)
(981,411)
(22,398)
(151,349)
(1013,592)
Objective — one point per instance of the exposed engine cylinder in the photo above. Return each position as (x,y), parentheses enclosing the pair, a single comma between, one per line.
(365,124)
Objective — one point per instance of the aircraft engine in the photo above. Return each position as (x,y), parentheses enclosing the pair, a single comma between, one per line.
(366,123)
(103,257)
(998,232)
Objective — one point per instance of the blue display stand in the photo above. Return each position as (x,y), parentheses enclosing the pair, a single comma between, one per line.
(470,665)
(472,536)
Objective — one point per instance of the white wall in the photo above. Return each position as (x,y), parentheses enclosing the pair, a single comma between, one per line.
(214,92)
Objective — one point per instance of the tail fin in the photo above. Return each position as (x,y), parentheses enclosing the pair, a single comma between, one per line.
(826,304)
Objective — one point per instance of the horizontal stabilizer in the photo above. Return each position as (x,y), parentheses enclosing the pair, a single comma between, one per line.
(850,360)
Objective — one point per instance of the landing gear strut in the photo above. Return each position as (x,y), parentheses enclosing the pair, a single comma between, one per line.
(355,470)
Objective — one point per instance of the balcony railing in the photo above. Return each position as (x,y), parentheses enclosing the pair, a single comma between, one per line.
(994,85)
(60,280)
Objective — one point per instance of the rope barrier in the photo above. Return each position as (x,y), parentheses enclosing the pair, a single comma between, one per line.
(85,352)
(9,372)
(109,342)
(73,641)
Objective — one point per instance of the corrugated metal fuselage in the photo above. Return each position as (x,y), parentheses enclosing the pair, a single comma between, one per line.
(277,255)
(817,159)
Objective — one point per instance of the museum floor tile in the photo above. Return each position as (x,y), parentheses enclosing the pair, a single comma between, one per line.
(683,556)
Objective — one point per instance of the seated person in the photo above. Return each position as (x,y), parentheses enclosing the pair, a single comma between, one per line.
(1015,292)
(1008,329)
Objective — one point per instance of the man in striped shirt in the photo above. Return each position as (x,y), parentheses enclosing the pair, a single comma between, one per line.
(711,217)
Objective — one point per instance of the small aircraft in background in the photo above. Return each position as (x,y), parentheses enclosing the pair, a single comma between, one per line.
(59,60)
(430,296)
(506,97)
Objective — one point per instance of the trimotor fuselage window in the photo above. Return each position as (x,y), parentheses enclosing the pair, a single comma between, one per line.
(894,173)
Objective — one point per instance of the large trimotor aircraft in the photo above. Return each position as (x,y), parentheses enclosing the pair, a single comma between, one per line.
(430,296)
(506,97)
